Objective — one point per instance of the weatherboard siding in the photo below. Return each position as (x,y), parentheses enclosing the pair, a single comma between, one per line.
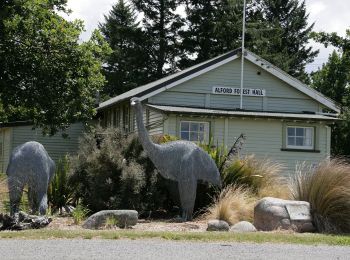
(5,136)
(56,145)
(264,138)
(155,122)
(197,92)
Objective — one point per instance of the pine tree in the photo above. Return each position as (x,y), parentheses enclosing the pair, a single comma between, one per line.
(275,29)
(161,26)
(333,80)
(214,27)
(127,67)
(284,41)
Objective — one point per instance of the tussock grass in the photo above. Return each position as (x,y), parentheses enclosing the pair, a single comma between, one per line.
(327,189)
(233,204)
(262,176)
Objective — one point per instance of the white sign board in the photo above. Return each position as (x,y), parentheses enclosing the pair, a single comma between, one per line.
(253,92)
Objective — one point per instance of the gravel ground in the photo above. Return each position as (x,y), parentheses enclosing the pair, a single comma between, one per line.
(66,223)
(161,249)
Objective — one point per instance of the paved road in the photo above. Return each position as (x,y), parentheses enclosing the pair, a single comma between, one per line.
(161,249)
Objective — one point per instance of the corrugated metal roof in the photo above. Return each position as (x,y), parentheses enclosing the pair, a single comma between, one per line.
(191,110)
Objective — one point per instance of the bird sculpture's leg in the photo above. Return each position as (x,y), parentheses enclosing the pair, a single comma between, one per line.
(187,192)
(15,186)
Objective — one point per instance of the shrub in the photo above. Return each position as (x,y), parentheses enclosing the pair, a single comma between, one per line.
(111,171)
(234,203)
(60,190)
(327,189)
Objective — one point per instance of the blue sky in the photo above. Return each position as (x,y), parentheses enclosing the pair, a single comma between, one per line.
(328,16)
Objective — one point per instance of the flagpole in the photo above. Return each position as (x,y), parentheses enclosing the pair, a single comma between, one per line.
(242,63)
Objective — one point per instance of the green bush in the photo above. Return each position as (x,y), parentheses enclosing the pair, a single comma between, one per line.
(327,189)
(111,171)
(60,190)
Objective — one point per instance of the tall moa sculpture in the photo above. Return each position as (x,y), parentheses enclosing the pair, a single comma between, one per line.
(30,164)
(180,161)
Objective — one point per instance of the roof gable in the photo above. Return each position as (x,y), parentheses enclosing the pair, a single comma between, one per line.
(156,87)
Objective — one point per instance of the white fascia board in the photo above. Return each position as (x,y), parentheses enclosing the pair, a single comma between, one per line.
(291,81)
(196,74)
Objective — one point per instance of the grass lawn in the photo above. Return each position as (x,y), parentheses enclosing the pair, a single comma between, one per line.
(258,237)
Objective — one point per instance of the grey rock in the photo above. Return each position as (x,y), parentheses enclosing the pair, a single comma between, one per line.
(242,227)
(272,213)
(30,164)
(124,218)
(180,161)
(217,225)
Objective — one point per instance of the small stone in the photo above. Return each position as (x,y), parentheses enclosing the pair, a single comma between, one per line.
(218,225)
(123,218)
(243,227)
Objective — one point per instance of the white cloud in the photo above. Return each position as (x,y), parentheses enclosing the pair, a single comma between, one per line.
(91,12)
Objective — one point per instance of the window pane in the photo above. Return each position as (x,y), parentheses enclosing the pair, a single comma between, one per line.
(300,131)
(194,127)
(185,136)
(185,126)
(291,141)
(308,133)
(201,127)
(193,136)
(308,142)
(291,131)
(299,141)
(201,137)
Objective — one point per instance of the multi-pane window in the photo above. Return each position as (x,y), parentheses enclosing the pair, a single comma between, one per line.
(300,137)
(194,131)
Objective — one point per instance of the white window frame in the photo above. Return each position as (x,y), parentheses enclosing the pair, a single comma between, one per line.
(301,147)
(205,132)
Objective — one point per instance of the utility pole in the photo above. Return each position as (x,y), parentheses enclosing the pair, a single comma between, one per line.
(242,63)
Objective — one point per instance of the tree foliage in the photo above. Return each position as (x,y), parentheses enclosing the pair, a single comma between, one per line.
(333,80)
(285,36)
(127,66)
(161,25)
(46,76)
(277,30)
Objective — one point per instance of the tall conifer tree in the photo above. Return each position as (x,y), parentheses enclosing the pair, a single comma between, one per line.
(161,25)
(284,40)
(127,66)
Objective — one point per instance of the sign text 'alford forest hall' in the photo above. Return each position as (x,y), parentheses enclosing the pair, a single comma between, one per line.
(256,92)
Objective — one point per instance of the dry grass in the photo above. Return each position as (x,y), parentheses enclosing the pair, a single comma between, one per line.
(327,189)
(233,204)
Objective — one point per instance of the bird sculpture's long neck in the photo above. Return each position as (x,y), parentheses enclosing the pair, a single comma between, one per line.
(146,142)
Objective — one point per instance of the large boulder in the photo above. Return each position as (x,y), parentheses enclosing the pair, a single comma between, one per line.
(272,213)
(121,218)
(243,227)
(217,225)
